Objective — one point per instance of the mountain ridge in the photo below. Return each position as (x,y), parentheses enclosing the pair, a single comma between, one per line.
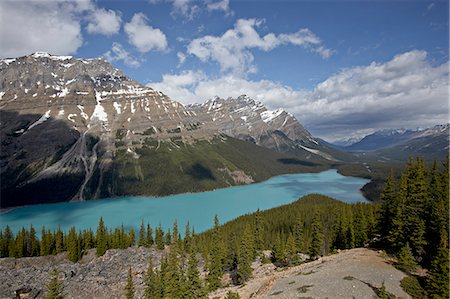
(84,128)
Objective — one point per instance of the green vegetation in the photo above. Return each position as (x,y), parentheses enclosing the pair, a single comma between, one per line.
(412,286)
(412,223)
(165,168)
(55,289)
(129,287)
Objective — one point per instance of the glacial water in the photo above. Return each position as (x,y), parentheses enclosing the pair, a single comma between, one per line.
(197,208)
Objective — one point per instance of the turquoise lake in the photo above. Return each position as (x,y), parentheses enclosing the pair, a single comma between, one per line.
(197,208)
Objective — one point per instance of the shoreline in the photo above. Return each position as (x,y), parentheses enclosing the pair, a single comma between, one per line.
(9,209)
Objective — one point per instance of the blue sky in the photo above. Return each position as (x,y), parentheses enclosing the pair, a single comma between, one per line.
(344,68)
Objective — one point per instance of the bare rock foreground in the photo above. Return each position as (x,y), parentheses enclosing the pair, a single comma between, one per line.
(356,273)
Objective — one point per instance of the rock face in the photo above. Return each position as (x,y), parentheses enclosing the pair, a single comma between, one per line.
(79,125)
(92,277)
(249,120)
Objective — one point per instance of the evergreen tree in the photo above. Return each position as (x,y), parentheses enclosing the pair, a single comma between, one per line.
(172,277)
(215,258)
(10,243)
(59,241)
(259,231)
(187,238)
(168,237)
(149,240)
(397,235)
(298,235)
(129,287)
(131,238)
(317,237)
(291,250)
(72,245)
(101,238)
(245,257)
(438,276)
(175,233)
(142,236)
(406,262)
(150,291)
(278,252)
(194,285)
(20,243)
(55,288)
(159,237)
(388,197)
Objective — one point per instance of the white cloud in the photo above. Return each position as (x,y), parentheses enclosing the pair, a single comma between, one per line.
(222,5)
(118,52)
(181,58)
(102,21)
(232,49)
(30,26)
(406,91)
(186,8)
(143,36)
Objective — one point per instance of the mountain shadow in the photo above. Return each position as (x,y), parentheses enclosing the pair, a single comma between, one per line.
(294,161)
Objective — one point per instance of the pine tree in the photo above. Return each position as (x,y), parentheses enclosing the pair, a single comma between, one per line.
(259,231)
(101,238)
(150,282)
(72,245)
(168,237)
(215,258)
(298,235)
(194,285)
(317,237)
(159,237)
(388,197)
(142,237)
(131,238)
(172,277)
(278,252)
(397,237)
(149,240)
(291,250)
(20,243)
(406,262)
(59,241)
(187,238)
(175,233)
(438,276)
(129,287)
(245,257)
(55,288)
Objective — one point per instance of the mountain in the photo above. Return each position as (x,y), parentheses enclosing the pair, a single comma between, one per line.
(75,129)
(389,144)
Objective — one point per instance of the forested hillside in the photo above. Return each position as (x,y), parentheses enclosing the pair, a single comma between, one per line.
(411,224)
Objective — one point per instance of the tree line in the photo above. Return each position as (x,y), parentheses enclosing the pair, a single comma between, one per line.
(411,222)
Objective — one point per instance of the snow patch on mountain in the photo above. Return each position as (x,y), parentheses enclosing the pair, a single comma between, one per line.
(268,116)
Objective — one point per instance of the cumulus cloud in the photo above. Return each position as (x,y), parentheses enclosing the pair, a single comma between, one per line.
(30,26)
(102,21)
(407,91)
(143,36)
(118,53)
(186,8)
(232,49)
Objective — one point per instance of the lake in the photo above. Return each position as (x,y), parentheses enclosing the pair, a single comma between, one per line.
(197,208)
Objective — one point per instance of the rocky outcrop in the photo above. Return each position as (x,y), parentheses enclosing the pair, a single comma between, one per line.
(92,277)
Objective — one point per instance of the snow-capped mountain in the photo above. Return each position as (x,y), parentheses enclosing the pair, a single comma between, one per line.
(85,129)
(391,137)
(400,144)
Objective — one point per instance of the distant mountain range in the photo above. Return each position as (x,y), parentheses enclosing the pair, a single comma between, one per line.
(75,129)
(399,144)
